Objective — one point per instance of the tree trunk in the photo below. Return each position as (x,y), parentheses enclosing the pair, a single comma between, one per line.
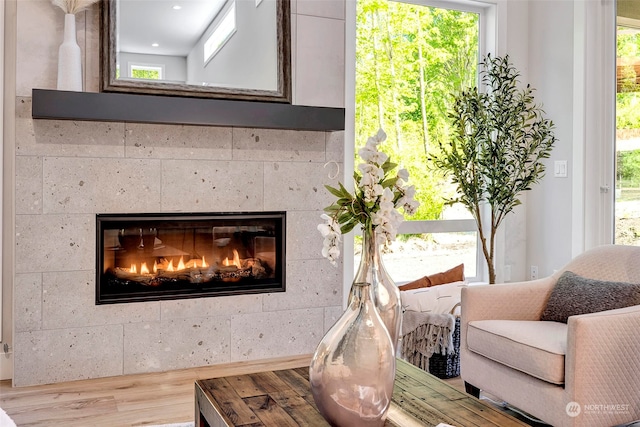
(394,92)
(374,20)
(492,241)
(422,88)
(486,251)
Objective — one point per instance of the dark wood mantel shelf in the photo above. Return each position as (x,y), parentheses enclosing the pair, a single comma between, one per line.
(119,107)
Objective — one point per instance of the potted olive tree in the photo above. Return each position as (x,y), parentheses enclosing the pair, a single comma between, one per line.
(499,140)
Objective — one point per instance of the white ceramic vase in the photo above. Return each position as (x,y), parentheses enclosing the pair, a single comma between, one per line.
(69,58)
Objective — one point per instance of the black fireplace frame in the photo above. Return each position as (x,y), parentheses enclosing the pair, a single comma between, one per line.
(147,293)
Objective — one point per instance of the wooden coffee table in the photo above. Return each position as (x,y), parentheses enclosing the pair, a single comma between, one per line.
(283,398)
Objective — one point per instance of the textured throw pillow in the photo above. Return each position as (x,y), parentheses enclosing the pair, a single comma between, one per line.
(422,282)
(573,295)
(455,274)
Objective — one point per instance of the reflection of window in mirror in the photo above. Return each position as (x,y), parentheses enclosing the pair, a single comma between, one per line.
(222,32)
(147,72)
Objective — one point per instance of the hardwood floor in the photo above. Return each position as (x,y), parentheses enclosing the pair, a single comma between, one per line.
(132,400)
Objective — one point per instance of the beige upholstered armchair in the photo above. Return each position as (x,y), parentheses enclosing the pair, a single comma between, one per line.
(585,372)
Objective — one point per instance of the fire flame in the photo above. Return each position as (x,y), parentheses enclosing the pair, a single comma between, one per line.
(235,261)
(144,269)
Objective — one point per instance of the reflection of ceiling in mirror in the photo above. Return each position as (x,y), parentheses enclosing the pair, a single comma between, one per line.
(144,22)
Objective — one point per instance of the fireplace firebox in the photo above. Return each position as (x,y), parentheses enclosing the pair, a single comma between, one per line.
(151,257)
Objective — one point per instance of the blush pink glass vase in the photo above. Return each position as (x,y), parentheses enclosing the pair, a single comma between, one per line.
(353,368)
(385,292)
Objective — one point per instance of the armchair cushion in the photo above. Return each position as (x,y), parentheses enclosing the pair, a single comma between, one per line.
(530,346)
(573,295)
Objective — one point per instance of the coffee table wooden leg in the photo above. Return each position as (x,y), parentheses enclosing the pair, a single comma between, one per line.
(200,420)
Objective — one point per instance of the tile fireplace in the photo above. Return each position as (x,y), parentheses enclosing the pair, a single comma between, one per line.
(151,257)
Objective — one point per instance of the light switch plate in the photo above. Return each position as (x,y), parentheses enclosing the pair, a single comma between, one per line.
(560,169)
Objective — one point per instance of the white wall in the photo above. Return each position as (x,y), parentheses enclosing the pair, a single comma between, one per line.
(513,40)
(549,204)
(248,59)
(571,61)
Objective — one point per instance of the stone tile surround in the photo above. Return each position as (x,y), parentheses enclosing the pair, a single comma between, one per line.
(67,171)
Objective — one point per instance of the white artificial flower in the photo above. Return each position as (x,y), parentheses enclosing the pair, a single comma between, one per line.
(335,227)
(331,233)
(378,218)
(386,208)
(371,175)
(386,233)
(410,191)
(372,205)
(411,207)
(381,136)
(367,180)
(396,218)
(371,193)
(407,201)
(369,196)
(373,156)
(326,230)
(376,172)
(387,196)
(372,143)
(375,140)
(331,252)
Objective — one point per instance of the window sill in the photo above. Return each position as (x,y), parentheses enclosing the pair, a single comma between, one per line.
(119,107)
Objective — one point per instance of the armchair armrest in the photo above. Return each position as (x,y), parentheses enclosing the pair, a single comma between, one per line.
(604,349)
(511,301)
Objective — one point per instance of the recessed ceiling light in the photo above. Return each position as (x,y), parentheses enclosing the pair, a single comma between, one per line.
(155,44)
(177,7)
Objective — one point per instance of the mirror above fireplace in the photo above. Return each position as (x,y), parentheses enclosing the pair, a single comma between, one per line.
(233,49)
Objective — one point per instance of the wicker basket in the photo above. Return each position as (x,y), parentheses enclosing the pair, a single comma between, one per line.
(447,366)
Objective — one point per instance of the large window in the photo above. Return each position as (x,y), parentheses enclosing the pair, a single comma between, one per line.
(627,191)
(410,60)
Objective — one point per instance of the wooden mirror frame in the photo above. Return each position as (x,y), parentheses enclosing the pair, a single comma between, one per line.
(108,82)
